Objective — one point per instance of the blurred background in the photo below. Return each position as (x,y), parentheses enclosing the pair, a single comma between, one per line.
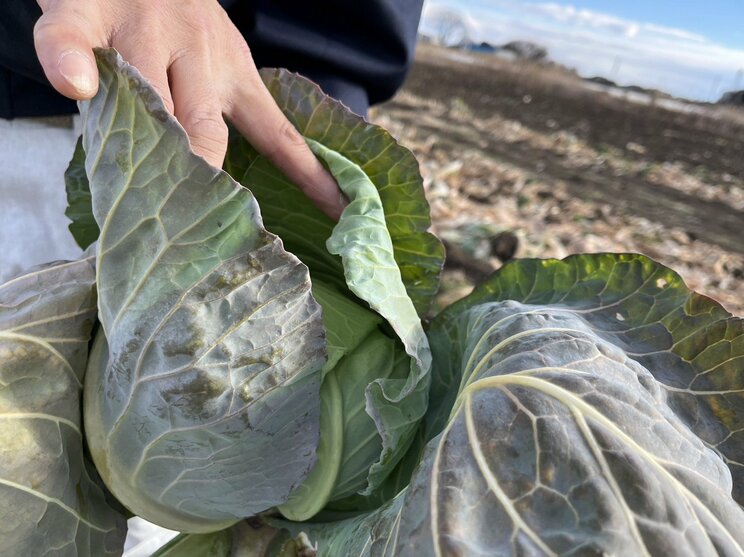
(545,129)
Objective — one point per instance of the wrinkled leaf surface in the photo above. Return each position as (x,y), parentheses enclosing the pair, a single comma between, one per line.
(51,500)
(202,401)
(597,410)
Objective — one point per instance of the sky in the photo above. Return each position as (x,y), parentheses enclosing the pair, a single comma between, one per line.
(722,20)
(692,49)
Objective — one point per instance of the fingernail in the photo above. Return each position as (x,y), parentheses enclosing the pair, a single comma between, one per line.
(78,70)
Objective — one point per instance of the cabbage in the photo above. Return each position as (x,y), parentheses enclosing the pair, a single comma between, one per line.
(203,393)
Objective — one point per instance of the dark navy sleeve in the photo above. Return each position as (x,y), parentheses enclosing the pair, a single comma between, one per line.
(24,90)
(17,54)
(359,52)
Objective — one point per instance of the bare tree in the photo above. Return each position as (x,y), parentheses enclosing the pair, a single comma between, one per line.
(450,29)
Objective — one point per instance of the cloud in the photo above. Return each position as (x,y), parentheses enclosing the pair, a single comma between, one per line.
(678,61)
(674,33)
(569,15)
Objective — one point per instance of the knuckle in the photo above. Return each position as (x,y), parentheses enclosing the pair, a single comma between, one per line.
(58,24)
(289,135)
(235,42)
(48,26)
(41,27)
(205,122)
(287,143)
(206,128)
(156,9)
(45,4)
(198,22)
(242,50)
(198,31)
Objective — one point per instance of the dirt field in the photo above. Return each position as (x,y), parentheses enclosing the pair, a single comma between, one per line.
(518,153)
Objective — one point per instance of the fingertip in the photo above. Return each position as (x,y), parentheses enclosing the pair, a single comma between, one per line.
(317,183)
(205,128)
(328,196)
(287,149)
(213,157)
(80,72)
(337,208)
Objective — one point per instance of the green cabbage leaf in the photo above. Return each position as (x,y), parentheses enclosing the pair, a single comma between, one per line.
(587,406)
(51,499)
(374,375)
(202,393)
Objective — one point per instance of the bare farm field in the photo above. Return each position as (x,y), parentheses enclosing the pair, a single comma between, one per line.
(521,160)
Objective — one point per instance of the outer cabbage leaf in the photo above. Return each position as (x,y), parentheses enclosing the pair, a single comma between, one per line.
(597,410)
(693,347)
(363,241)
(356,452)
(202,401)
(51,500)
(391,168)
(83,226)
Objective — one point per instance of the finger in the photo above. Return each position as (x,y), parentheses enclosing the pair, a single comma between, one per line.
(64,40)
(259,119)
(198,106)
(153,65)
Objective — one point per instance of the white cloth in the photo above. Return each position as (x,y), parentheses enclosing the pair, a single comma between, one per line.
(34,153)
(144,538)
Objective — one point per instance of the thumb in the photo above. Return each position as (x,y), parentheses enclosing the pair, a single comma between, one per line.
(64,44)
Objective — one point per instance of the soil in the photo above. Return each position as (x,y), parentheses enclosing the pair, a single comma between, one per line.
(529,149)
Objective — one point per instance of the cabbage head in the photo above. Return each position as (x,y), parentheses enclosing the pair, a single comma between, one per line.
(233,339)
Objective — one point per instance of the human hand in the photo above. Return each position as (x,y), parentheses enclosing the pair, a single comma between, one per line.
(199,63)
